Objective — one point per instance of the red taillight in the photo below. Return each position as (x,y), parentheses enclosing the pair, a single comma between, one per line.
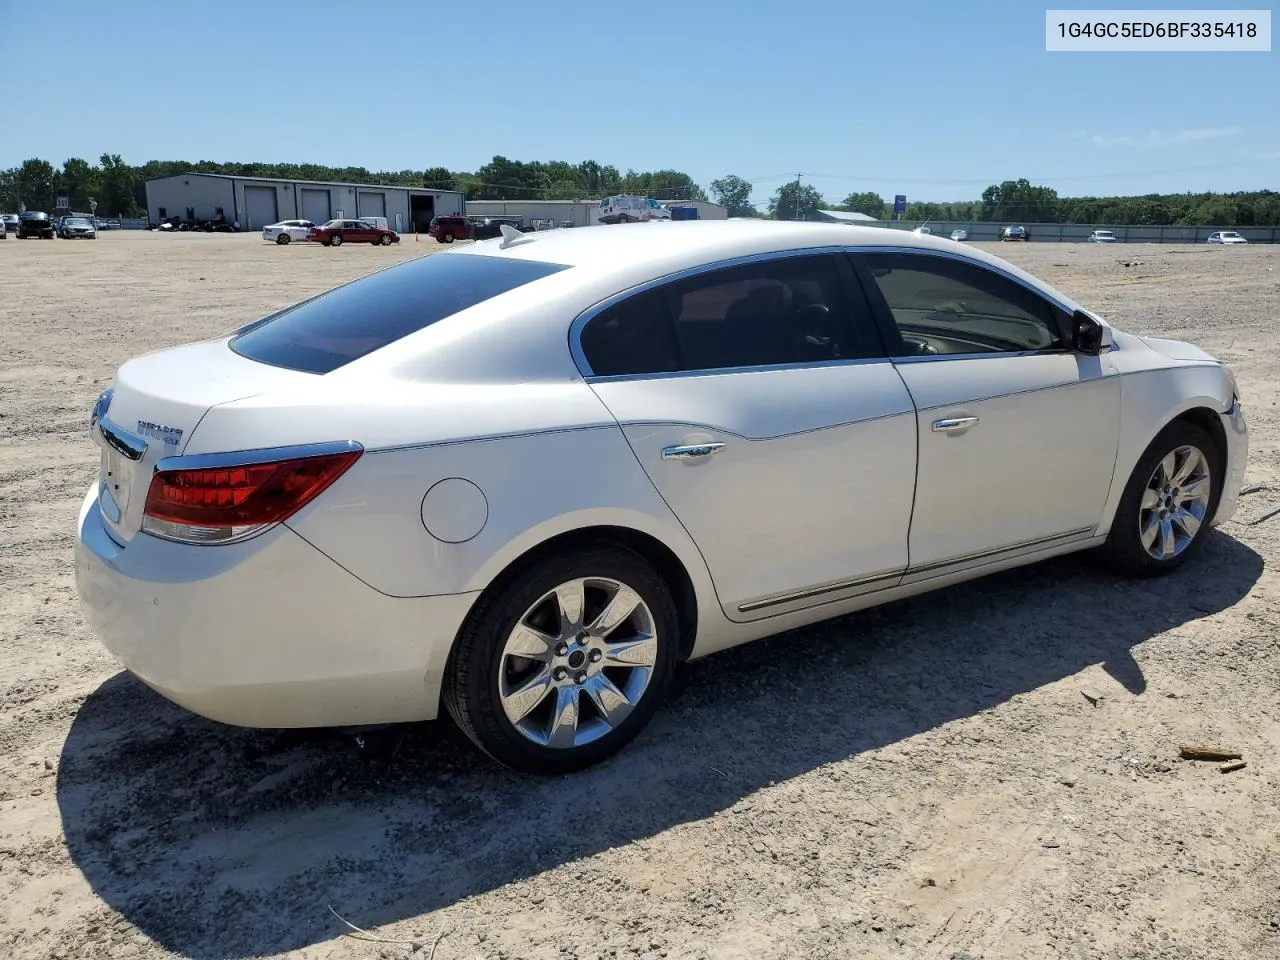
(221,504)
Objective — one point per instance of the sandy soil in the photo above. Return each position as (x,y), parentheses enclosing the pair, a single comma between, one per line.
(925,780)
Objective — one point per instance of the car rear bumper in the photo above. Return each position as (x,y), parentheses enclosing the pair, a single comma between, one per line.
(265,633)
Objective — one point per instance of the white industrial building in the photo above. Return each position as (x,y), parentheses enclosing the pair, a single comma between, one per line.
(254,202)
(578,213)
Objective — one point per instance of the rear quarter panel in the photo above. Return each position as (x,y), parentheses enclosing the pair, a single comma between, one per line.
(536,486)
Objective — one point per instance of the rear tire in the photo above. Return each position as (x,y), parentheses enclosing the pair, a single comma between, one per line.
(565,679)
(1168,502)
(335,240)
(283,239)
(447,238)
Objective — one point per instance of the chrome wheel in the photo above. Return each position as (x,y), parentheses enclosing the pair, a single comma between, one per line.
(1175,502)
(578,662)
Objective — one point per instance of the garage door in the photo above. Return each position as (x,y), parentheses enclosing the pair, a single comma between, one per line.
(260,206)
(372,205)
(315,206)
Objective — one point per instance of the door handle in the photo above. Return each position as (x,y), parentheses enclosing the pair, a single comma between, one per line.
(954,425)
(694,451)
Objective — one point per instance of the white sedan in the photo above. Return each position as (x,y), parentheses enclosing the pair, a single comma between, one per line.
(1225,236)
(525,478)
(286,231)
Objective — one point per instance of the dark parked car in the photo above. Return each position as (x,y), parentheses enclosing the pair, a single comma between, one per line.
(32,223)
(337,232)
(449,229)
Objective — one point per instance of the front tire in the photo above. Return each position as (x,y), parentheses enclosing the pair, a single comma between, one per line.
(1168,503)
(565,662)
(385,240)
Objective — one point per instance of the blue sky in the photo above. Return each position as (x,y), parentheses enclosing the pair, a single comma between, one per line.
(929,98)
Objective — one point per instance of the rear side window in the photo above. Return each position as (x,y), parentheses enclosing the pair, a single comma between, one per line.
(344,324)
(773,313)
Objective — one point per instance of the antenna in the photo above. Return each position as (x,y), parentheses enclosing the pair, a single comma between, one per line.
(511,236)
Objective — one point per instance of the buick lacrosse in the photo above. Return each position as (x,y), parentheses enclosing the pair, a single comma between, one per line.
(526,478)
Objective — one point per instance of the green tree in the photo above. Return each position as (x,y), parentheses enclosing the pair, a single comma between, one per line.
(735,193)
(79,181)
(34,183)
(439,178)
(118,182)
(795,201)
(869,202)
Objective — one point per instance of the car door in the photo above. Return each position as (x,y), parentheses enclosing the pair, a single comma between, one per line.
(1018,432)
(758,400)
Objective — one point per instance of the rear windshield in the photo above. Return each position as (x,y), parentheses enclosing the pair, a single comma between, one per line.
(344,324)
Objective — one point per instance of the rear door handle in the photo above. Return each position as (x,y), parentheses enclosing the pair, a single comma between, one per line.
(694,451)
(954,425)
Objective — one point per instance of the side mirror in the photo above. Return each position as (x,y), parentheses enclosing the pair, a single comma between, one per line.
(1089,336)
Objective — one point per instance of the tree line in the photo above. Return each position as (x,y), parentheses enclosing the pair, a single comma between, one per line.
(1020,200)
(119,189)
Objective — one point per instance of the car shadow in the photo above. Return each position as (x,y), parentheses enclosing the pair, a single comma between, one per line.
(217,841)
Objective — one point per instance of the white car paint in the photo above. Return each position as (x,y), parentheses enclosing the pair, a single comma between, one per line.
(818,505)
(1225,236)
(294,229)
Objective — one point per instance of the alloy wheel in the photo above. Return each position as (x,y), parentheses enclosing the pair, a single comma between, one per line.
(577,662)
(1175,502)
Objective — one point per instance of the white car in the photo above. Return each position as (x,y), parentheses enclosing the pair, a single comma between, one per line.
(959,235)
(524,478)
(1101,236)
(1225,236)
(286,231)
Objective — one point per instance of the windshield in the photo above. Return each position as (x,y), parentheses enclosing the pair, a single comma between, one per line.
(77,222)
(324,333)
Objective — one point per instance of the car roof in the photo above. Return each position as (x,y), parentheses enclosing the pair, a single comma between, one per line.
(635,253)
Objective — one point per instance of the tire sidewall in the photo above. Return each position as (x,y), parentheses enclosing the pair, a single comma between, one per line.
(474,692)
(1123,541)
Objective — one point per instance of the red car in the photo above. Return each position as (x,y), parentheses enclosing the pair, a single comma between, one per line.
(337,232)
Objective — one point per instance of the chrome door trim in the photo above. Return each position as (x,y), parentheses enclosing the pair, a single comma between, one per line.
(589,314)
(692,451)
(128,445)
(811,593)
(969,558)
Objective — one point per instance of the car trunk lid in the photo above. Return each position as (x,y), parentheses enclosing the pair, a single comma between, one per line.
(156,401)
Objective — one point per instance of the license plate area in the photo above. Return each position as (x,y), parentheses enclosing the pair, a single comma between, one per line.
(115,483)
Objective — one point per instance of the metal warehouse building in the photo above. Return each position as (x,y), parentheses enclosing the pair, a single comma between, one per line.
(580,213)
(254,202)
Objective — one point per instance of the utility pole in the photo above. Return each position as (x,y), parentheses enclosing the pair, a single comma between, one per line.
(797,196)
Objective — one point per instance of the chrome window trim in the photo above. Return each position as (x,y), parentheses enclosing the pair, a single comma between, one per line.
(590,313)
(718,371)
(243,458)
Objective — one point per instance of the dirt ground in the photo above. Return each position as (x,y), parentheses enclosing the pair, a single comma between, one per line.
(987,772)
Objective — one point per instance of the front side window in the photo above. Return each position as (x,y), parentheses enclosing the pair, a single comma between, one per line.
(944,306)
(771,313)
(344,324)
